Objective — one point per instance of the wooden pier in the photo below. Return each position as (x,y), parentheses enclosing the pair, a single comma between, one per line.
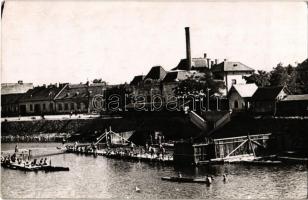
(145,157)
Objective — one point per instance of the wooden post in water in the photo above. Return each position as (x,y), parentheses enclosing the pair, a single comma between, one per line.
(250,144)
(29,156)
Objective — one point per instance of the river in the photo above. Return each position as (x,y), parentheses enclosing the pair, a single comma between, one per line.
(102,177)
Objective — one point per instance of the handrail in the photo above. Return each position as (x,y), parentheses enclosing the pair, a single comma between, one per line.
(197,120)
(100,138)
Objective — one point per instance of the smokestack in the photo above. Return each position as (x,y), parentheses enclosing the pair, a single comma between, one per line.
(212,63)
(188,53)
(216,61)
(204,55)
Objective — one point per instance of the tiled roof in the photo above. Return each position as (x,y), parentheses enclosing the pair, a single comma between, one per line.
(196,63)
(267,93)
(156,73)
(14,88)
(10,98)
(245,90)
(301,97)
(79,91)
(42,93)
(137,80)
(228,66)
(176,76)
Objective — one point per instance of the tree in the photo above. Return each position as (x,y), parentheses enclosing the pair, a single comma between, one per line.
(302,77)
(261,79)
(99,81)
(197,85)
(279,76)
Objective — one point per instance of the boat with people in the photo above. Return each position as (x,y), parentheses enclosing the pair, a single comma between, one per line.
(22,167)
(187,180)
(16,162)
(29,167)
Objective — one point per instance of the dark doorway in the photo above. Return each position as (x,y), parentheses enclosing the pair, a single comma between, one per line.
(37,108)
(22,109)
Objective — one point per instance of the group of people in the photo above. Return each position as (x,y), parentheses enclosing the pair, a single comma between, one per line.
(86,149)
(134,150)
(9,159)
(20,159)
(160,151)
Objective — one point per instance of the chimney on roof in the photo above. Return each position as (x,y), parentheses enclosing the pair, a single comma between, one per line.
(204,55)
(188,53)
(212,63)
(216,61)
(208,63)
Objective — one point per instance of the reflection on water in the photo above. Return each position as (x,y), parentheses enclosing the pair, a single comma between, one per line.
(106,178)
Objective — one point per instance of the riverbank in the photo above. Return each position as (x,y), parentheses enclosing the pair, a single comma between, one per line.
(173,125)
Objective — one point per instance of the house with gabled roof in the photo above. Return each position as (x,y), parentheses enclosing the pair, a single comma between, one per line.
(239,96)
(293,105)
(9,104)
(157,73)
(198,64)
(265,99)
(231,73)
(10,95)
(15,88)
(40,100)
(137,80)
(77,98)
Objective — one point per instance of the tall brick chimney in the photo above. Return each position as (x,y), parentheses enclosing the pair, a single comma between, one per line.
(188,53)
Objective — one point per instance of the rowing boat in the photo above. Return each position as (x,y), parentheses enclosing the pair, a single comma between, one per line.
(22,167)
(185,179)
(263,162)
(54,168)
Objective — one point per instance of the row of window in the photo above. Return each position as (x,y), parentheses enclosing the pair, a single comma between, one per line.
(10,108)
(67,107)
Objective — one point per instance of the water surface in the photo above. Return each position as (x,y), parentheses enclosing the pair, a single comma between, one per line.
(101,177)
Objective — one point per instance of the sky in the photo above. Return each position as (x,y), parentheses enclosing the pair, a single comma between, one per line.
(74,41)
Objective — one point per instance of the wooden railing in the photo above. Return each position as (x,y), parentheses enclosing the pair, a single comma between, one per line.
(222,121)
(198,120)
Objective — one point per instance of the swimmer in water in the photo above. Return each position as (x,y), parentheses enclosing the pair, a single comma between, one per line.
(224,178)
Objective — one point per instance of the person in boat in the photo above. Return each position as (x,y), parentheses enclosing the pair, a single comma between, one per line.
(13,157)
(75,145)
(34,162)
(179,175)
(16,148)
(41,161)
(45,161)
